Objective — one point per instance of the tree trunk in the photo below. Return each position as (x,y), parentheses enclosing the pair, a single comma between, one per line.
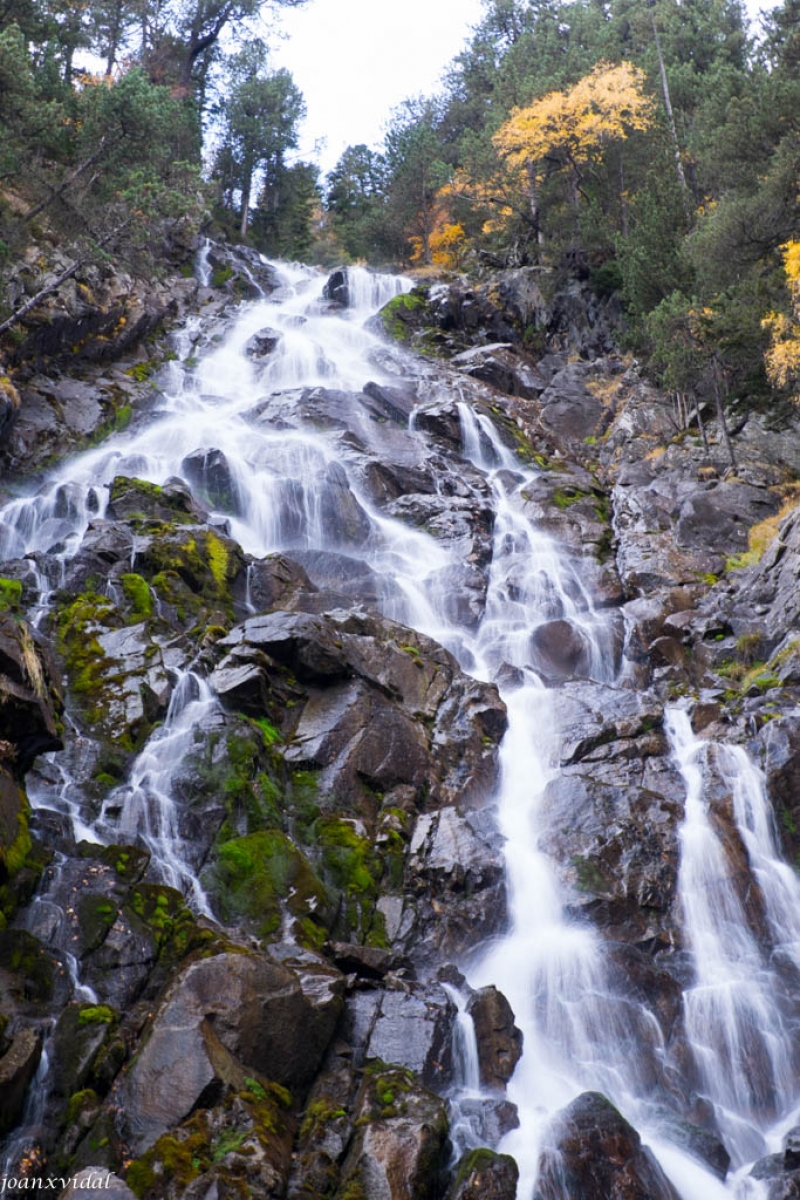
(668,108)
(533,200)
(246,186)
(718,380)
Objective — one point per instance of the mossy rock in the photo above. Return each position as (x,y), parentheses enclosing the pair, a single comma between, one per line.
(405,314)
(244,1142)
(137,499)
(353,865)
(245,769)
(31,963)
(164,913)
(96,914)
(88,1049)
(21,859)
(263,875)
(193,569)
(10,595)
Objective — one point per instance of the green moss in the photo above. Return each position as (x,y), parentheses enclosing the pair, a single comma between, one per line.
(96,1014)
(81,1102)
(141,372)
(10,595)
(269,733)
(590,878)
(398,316)
(564,498)
(218,560)
(317,1116)
(261,876)
(137,593)
(355,867)
(172,924)
(221,275)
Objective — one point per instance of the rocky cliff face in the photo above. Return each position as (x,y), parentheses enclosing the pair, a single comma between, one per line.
(335,786)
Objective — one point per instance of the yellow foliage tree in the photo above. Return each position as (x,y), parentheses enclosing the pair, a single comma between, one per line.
(783,356)
(570,128)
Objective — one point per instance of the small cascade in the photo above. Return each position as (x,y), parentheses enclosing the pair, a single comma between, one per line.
(19,1151)
(202,266)
(742,1046)
(369,291)
(778,882)
(466,1100)
(144,809)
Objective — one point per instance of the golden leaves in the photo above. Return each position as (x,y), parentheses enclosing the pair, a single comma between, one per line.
(782,358)
(606,105)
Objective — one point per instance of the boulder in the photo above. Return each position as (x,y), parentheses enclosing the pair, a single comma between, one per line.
(400,1146)
(414,1029)
(89,1181)
(337,288)
(221,1016)
(209,474)
(499,1040)
(262,344)
(17,1068)
(597,1155)
(30,698)
(484,1175)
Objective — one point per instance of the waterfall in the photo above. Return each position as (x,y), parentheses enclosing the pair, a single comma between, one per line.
(285,426)
(742,1043)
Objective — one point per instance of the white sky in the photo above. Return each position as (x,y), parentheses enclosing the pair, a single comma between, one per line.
(355,60)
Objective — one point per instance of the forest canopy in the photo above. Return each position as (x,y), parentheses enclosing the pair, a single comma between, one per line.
(650,149)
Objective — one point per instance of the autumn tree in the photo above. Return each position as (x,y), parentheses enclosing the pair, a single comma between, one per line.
(567,131)
(783,354)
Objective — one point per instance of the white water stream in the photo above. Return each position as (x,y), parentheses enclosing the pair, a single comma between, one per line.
(580,1033)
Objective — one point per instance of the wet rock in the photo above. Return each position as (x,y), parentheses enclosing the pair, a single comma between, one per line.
(262,344)
(341,575)
(455,882)
(499,1040)
(337,289)
(222,1015)
(597,1155)
(400,1147)
(209,474)
(241,272)
(483,1175)
(343,520)
(414,1029)
(30,699)
(273,582)
(498,365)
(17,1068)
(560,650)
(368,962)
(390,403)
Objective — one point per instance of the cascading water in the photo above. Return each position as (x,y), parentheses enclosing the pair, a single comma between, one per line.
(285,457)
(739,1032)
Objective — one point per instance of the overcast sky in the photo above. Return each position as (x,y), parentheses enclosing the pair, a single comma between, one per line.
(354,60)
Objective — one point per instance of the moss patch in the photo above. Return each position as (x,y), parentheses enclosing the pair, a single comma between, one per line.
(263,876)
(10,595)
